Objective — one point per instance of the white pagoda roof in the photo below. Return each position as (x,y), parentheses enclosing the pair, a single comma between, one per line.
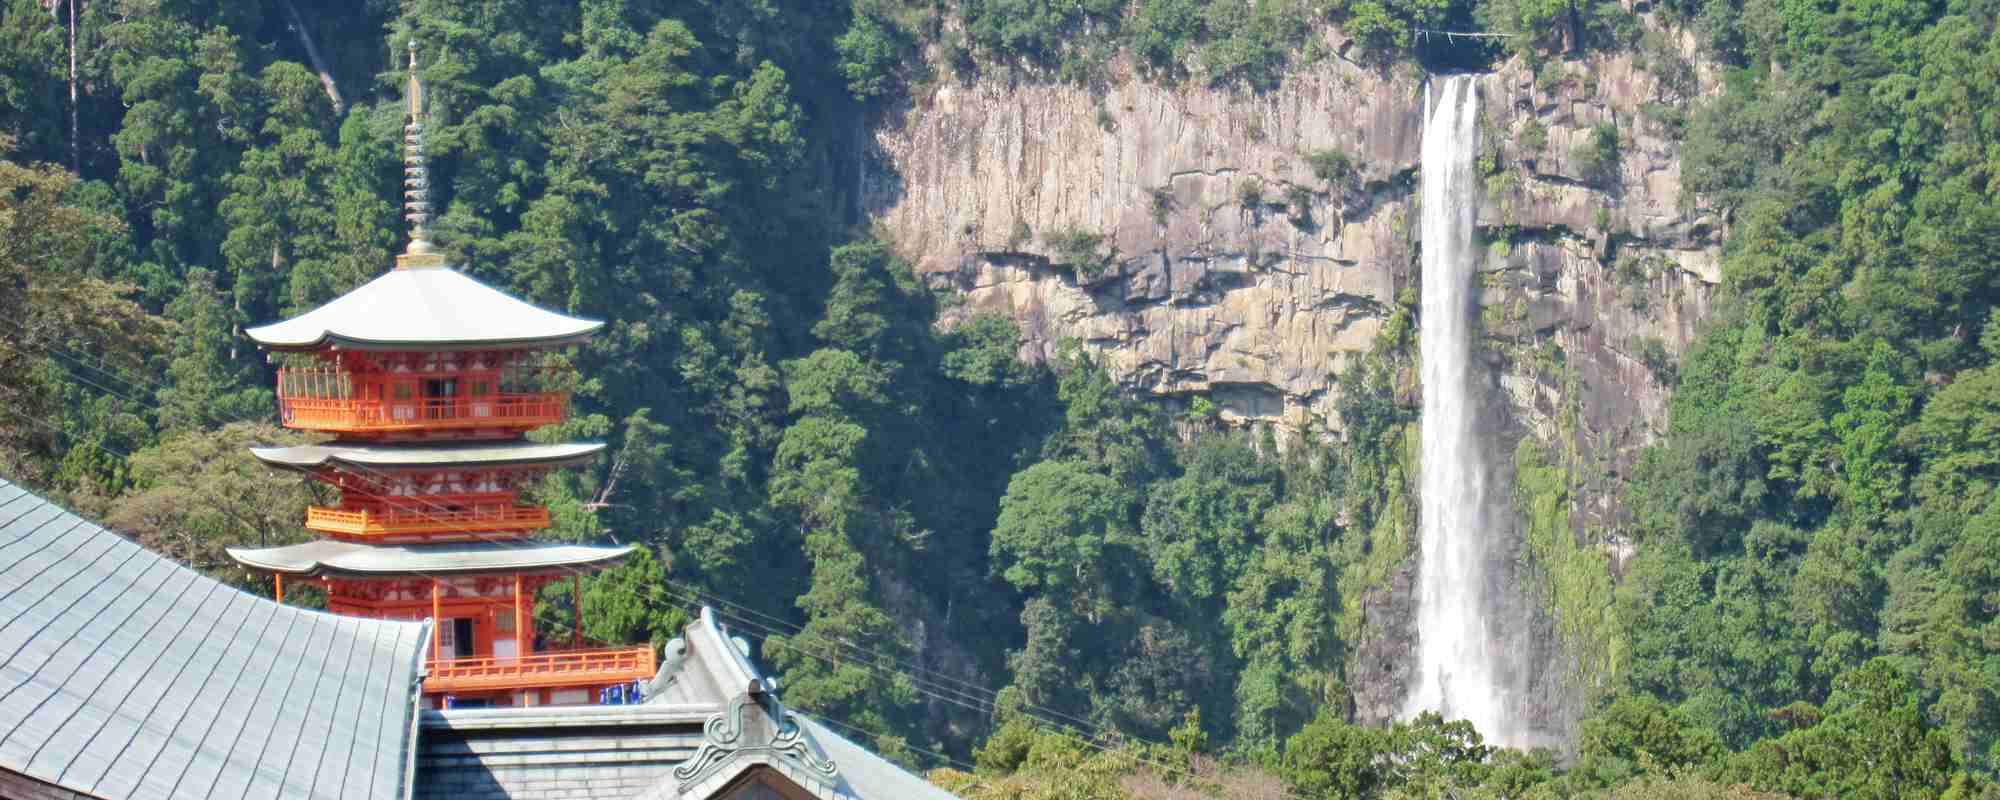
(334,557)
(428,308)
(498,454)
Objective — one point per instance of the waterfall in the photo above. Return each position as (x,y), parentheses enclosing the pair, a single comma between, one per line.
(1459,673)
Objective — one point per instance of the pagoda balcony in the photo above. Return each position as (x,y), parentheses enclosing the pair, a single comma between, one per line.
(398,522)
(354,415)
(602,667)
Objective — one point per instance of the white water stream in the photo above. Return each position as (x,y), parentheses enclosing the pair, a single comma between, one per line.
(1458,671)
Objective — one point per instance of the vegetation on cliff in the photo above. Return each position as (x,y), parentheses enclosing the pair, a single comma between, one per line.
(963,555)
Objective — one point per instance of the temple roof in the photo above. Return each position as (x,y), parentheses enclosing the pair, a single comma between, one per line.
(327,557)
(710,722)
(434,308)
(497,454)
(127,675)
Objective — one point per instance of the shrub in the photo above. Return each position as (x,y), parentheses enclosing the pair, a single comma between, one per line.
(1162,203)
(1078,248)
(1533,136)
(1331,165)
(1596,157)
(1653,353)
(1250,193)
(1298,201)
(1020,236)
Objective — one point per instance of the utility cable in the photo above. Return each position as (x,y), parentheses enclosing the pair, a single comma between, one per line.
(958,696)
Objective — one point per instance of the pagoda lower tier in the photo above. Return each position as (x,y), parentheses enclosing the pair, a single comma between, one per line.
(486,650)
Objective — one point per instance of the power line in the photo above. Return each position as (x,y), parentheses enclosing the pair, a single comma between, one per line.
(858,730)
(983,702)
(984,706)
(967,685)
(97,364)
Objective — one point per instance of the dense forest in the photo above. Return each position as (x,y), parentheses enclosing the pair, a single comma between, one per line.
(1022,574)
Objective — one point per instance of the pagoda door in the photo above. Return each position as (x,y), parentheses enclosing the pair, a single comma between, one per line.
(461,639)
(440,397)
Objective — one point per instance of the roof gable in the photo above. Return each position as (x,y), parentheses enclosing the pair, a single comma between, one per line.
(706,665)
(711,725)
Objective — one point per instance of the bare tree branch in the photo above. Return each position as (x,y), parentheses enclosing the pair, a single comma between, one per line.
(312,54)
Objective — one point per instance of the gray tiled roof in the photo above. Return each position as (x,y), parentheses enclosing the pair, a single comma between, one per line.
(424,308)
(127,675)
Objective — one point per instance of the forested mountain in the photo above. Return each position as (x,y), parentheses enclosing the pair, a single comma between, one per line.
(1069,588)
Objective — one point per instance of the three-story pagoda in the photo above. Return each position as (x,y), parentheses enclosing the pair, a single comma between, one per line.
(424,377)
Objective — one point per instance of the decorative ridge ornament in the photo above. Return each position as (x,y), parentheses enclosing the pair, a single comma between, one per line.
(416,178)
(724,741)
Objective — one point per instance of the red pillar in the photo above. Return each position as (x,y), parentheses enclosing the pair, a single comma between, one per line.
(437,623)
(524,640)
(280,579)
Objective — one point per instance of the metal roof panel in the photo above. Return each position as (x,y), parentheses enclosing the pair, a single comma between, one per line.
(123,674)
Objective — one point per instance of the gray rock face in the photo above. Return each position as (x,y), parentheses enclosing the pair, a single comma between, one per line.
(1224,266)
(1219,279)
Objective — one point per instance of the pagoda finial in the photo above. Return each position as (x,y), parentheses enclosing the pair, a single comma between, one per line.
(416,178)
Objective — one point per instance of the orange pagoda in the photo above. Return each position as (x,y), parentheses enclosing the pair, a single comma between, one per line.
(424,379)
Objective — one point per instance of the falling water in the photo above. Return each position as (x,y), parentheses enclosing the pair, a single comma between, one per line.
(1458,673)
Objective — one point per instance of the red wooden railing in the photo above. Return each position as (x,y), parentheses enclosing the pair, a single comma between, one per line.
(392,522)
(331,400)
(601,667)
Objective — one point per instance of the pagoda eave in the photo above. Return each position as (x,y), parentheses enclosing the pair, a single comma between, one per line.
(333,341)
(359,560)
(306,458)
(425,309)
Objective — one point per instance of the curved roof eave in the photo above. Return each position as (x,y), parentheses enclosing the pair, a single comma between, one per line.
(330,338)
(311,456)
(433,308)
(325,558)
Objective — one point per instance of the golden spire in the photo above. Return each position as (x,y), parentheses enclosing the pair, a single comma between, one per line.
(416,179)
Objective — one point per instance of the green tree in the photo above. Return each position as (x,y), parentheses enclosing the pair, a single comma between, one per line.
(199,491)
(206,386)
(1066,532)
(1330,758)
(631,603)
(1872,742)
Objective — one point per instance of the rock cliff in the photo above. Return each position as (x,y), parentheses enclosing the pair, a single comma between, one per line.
(1244,247)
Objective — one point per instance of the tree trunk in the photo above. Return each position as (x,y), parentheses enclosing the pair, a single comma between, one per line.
(319,64)
(75,147)
(1573,33)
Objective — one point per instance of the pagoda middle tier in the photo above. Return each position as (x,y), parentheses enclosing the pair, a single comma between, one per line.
(400,494)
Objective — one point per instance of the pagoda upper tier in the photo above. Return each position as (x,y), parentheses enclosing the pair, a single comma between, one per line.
(421,353)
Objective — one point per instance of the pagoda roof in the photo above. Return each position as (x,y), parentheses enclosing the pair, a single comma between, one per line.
(333,558)
(429,308)
(496,454)
(128,675)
